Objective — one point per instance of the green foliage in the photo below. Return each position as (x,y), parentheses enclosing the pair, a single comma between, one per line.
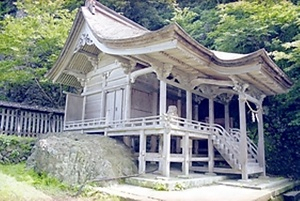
(38,180)
(7,7)
(160,187)
(197,23)
(29,45)
(150,14)
(246,26)
(15,149)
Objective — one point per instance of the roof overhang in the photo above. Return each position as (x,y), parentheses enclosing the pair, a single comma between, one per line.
(169,45)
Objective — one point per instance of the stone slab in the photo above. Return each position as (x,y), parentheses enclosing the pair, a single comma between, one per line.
(180,182)
(292,196)
(257,183)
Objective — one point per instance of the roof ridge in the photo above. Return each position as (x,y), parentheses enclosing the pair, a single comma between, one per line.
(97,6)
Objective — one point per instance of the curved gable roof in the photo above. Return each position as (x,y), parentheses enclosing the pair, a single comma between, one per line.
(116,35)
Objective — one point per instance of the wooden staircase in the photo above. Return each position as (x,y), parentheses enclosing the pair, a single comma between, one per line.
(227,144)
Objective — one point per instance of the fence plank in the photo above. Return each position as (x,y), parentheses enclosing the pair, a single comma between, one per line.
(29,121)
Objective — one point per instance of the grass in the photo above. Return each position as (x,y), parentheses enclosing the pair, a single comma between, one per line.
(41,182)
(18,183)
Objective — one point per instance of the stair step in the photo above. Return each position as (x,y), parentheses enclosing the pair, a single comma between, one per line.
(251,160)
(253,164)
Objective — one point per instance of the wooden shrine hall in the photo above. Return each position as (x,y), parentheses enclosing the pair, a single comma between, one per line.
(173,101)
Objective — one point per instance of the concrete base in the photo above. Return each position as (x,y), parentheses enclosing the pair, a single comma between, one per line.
(174,183)
(258,183)
(205,193)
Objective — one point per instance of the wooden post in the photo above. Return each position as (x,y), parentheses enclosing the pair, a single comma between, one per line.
(162,98)
(261,145)
(179,107)
(196,142)
(127,139)
(153,139)
(163,145)
(2,119)
(25,122)
(210,143)
(160,151)
(166,153)
(186,152)
(185,145)
(142,152)
(226,117)
(102,106)
(243,139)
(12,121)
(189,105)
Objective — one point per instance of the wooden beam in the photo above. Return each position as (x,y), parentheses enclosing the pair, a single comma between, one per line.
(87,54)
(199,81)
(138,73)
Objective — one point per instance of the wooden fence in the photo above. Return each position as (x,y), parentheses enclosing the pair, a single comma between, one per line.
(24,120)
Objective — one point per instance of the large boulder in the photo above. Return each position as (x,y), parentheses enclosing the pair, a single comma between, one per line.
(75,158)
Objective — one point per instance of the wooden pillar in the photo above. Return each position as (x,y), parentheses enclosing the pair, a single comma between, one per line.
(243,139)
(164,144)
(142,152)
(153,140)
(189,105)
(185,144)
(162,98)
(186,152)
(166,153)
(127,109)
(210,142)
(179,107)
(196,117)
(261,143)
(160,151)
(226,116)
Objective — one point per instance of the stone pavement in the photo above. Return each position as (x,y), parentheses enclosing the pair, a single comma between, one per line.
(215,192)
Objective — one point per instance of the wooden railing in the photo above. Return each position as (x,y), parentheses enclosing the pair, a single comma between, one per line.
(252,147)
(230,149)
(24,120)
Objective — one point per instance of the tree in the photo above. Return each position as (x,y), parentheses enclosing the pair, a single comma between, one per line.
(150,14)
(246,26)
(30,44)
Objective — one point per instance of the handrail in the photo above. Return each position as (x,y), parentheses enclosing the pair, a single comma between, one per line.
(228,140)
(252,147)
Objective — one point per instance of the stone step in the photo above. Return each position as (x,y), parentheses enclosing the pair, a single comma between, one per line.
(174,183)
(292,196)
(260,183)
